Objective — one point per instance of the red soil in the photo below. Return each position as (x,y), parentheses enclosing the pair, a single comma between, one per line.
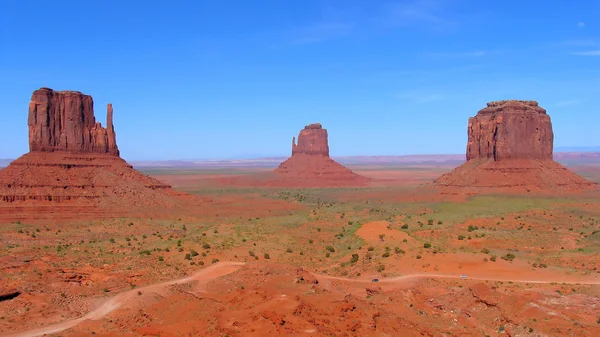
(269,299)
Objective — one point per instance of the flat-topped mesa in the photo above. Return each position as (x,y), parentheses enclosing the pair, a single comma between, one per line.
(64,121)
(312,140)
(510,129)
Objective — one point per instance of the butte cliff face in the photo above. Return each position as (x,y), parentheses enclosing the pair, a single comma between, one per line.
(310,163)
(74,161)
(312,140)
(64,121)
(507,130)
(510,148)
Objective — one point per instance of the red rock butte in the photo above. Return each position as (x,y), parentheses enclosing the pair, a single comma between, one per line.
(74,166)
(510,149)
(310,161)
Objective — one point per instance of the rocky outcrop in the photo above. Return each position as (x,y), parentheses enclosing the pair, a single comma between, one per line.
(74,167)
(510,129)
(64,121)
(312,140)
(310,164)
(510,149)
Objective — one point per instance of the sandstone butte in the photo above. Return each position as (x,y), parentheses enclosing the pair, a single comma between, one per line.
(310,161)
(74,165)
(510,149)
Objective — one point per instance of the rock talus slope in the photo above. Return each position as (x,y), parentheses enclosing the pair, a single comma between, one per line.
(509,149)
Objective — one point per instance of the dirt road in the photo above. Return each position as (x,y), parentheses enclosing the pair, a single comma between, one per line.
(223,268)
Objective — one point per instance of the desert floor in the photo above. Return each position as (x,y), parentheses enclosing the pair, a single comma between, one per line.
(301,262)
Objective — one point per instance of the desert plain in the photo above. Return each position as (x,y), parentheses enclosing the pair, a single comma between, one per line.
(247,249)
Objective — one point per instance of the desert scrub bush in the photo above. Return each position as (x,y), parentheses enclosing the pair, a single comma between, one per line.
(385,254)
(310,241)
(493,258)
(418,257)
(371,248)
(267,256)
(380,268)
(215,260)
(381,237)
(508,257)
(161,259)
(472,228)
(485,251)
(405,226)
(145,252)
(330,249)
(397,250)
(193,253)
(354,258)
(251,253)
(188,257)
(427,245)
(461,237)
(289,250)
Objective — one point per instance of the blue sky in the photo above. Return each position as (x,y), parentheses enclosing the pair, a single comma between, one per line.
(217,79)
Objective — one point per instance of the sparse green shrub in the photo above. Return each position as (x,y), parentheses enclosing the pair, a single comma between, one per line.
(267,256)
(508,257)
(418,257)
(193,253)
(461,237)
(206,246)
(485,251)
(188,257)
(427,245)
(371,248)
(405,226)
(161,259)
(472,228)
(330,249)
(381,268)
(354,258)
(289,250)
(385,254)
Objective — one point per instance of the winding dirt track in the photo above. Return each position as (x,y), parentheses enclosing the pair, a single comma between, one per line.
(223,268)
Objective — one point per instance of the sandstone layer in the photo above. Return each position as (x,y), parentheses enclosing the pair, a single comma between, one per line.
(310,161)
(64,121)
(74,168)
(510,149)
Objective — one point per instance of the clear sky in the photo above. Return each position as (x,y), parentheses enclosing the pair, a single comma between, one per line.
(220,79)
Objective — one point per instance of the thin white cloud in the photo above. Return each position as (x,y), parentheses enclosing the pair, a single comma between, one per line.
(580,24)
(567,103)
(419,97)
(320,32)
(478,53)
(587,53)
(417,12)
(576,43)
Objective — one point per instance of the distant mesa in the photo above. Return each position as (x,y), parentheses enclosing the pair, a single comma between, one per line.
(75,161)
(510,149)
(310,160)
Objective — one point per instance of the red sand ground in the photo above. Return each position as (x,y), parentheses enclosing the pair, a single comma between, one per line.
(415,296)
